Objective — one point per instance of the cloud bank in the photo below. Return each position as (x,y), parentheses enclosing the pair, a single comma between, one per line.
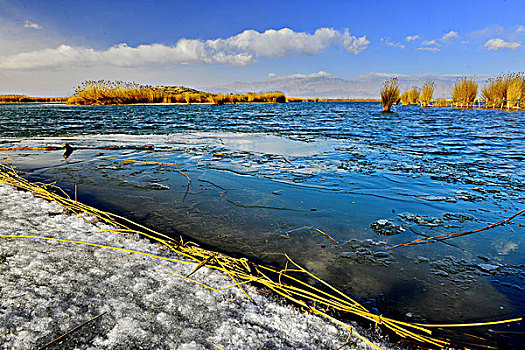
(239,50)
(499,44)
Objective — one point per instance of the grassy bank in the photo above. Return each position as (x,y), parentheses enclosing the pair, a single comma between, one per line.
(24,98)
(104,92)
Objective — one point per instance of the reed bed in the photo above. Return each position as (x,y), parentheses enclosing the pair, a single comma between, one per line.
(318,297)
(505,91)
(299,99)
(426,93)
(413,96)
(389,94)
(25,98)
(464,92)
(405,99)
(105,92)
(442,102)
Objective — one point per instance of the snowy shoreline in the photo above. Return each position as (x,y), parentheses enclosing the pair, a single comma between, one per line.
(47,288)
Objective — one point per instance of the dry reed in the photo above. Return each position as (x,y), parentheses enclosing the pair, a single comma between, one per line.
(515,90)
(495,92)
(442,102)
(105,92)
(464,92)
(405,99)
(389,93)
(413,96)
(288,282)
(24,98)
(426,93)
(505,91)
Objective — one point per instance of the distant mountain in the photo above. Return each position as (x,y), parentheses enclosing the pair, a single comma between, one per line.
(324,85)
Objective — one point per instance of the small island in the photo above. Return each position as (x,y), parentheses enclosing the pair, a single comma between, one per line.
(105,92)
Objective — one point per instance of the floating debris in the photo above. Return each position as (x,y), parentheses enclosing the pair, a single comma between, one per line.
(386,228)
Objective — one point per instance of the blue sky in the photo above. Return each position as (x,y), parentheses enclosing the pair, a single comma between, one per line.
(48,47)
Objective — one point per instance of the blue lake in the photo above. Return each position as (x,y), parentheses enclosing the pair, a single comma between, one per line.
(266,177)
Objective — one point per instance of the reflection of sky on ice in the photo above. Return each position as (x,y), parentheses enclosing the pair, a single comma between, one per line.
(269,144)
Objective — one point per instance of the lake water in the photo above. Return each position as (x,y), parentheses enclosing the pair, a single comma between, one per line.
(264,177)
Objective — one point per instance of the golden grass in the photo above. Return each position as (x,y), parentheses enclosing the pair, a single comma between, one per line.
(426,93)
(389,93)
(24,98)
(505,91)
(410,97)
(405,99)
(441,102)
(413,96)
(495,92)
(105,92)
(300,99)
(288,282)
(515,90)
(464,92)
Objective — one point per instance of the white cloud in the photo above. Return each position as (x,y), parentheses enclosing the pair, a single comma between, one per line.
(353,44)
(429,42)
(412,38)
(391,44)
(450,35)
(520,29)
(241,50)
(271,75)
(278,43)
(32,25)
(122,55)
(499,44)
(429,49)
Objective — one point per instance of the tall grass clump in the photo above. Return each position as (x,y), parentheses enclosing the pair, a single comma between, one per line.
(405,99)
(464,92)
(410,97)
(505,91)
(515,90)
(495,92)
(426,93)
(413,96)
(389,93)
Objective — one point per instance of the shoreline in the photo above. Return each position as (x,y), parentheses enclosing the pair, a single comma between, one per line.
(49,288)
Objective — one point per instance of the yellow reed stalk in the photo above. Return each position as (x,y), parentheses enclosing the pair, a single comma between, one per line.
(327,235)
(212,343)
(142,162)
(98,246)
